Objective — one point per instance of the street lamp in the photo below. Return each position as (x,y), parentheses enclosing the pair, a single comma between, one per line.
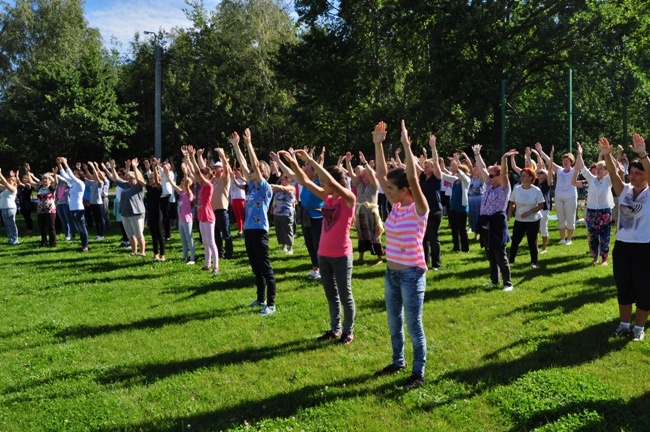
(158,100)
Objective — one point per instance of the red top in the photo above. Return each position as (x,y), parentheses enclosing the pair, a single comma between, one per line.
(335,238)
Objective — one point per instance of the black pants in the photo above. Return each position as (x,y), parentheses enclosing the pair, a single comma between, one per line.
(124,237)
(630,273)
(498,261)
(164,209)
(458,222)
(222,233)
(530,229)
(155,227)
(46,223)
(312,238)
(431,242)
(26,212)
(97,211)
(257,248)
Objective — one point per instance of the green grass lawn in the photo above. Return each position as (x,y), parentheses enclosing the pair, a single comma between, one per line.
(104,341)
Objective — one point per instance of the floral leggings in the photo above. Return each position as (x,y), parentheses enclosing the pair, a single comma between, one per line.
(599,225)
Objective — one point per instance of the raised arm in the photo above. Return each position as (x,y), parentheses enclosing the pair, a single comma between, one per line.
(639,148)
(371,172)
(225,164)
(193,164)
(513,165)
(285,169)
(300,176)
(421,205)
(540,160)
(378,138)
(138,174)
(251,154)
(549,161)
(482,169)
(234,140)
(606,150)
(327,179)
(505,180)
(11,188)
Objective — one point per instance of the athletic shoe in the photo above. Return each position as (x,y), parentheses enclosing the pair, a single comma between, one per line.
(543,251)
(312,274)
(267,310)
(568,242)
(533,266)
(414,382)
(622,331)
(257,303)
(289,251)
(127,247)
(328,336)
(284,249)
(84,249)
(68,238)
(638,334)
(346,339)
(391,369)
(215,272)
(317,277)
(14,242)
(191,262)
(562,242)
(99,238)
(508,288)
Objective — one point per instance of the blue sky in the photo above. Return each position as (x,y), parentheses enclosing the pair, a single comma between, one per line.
(123,18)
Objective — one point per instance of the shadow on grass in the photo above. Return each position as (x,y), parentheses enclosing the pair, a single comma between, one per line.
(86,331)
(283,405)
(144,374)
(604,415)
(559,350)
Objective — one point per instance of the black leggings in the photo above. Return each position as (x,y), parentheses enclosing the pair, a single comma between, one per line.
(257,248)
(155,226)
(530,229)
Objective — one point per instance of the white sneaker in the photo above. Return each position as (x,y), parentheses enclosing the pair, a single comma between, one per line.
(568,242)
(533,266)
(289,251)
(190,262)
(317,277)
(312,274)
(638,334)
(561,242)
(284,249)
(508,288)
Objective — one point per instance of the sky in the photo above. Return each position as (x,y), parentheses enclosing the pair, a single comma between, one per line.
(123,18)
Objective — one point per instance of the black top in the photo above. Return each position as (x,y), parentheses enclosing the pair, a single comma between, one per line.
(153,198)
(546,193)
(431,190)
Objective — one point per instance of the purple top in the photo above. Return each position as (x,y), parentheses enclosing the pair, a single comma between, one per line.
(495,200)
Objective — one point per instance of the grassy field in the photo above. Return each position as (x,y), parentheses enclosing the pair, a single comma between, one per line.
(104,341)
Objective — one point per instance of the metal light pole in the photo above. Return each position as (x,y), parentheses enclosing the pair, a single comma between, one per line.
(158,100)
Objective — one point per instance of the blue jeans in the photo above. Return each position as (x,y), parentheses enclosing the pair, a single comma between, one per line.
(63,212)
(404,291)
(80,223)
(9,219)
(222,233)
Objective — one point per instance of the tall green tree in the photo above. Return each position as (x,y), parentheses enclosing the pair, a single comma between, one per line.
(57,93)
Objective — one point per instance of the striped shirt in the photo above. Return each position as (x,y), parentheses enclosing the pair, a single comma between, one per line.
(405,231)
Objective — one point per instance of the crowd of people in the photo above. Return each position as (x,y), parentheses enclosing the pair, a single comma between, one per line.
(404,202)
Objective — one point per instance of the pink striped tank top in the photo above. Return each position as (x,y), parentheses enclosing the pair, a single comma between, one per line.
(405,231)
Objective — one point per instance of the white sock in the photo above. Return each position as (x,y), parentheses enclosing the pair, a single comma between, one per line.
(625,324)
(636,327)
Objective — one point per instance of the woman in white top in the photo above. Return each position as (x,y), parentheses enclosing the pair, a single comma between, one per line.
(527,201)
(8,207)
(566,195)
(632,246)
(599,208)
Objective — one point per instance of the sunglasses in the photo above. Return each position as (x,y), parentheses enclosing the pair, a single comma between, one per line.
(492,175)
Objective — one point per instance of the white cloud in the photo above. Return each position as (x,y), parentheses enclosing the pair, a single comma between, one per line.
(122,19)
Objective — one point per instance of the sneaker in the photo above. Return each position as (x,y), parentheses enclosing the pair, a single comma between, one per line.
(257,303)
(533,266)
(312,274)
(317,277)
(99,238)
(289,252)
(215,272)
(543,251)
(568,242)
(622,331)
(638,334)
(127,247)
(561,242)
(14,242)
(391,369)
(191,262)
(284,249)
(346,339)
(413,382)
(67,238)
(329,335)
(267,310)
(508,288)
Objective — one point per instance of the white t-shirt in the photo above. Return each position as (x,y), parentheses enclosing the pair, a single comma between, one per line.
(563,186)
(526,199)
(633,216)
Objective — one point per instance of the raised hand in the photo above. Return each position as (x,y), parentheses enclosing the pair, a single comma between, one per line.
(404,137)
(247,136)
(147,164)
(476,148)
(605,146)
(512,152)
(638,144)
(288,156)
(579,148)
(362,158)
(134,162)
(538,147)
(380,133)
(527,152)
(432,141)
(274,156)
(303,155)
(348,157)
(199,152)
(234,139)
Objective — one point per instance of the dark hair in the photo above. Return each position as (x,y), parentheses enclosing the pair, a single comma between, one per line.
(637,164)
(397,176)
(337,174)
(206,172)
